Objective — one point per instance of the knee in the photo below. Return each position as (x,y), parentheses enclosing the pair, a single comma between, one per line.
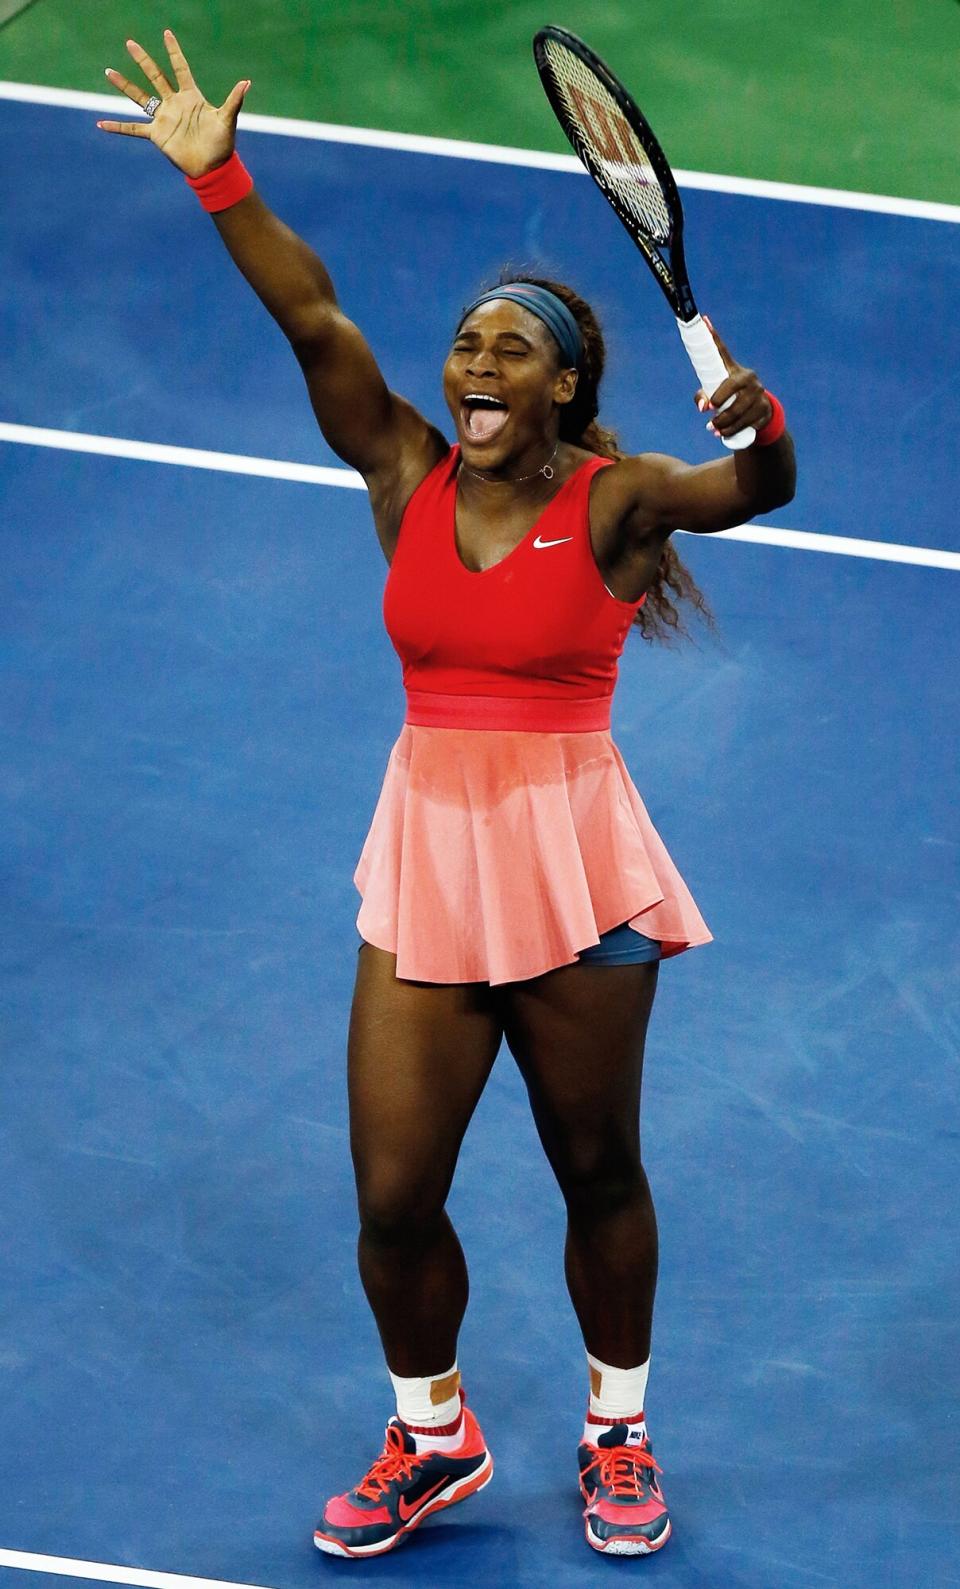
(399,1209)
(599,1180)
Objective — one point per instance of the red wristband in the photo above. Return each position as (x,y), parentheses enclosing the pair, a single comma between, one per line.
(224,185)
(775,426)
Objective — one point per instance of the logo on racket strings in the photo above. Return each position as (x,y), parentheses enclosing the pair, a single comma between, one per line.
(612,137)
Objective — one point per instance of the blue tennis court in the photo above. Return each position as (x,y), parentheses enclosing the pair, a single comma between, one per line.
(199,700)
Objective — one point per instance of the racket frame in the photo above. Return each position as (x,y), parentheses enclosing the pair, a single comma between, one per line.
(672,278)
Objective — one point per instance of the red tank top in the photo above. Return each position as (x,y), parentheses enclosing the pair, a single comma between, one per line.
(531,643)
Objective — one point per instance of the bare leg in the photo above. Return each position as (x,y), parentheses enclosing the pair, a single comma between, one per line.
(419,1055)
(578,1034)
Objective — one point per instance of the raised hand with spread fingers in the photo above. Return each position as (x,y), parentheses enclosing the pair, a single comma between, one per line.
(194,134)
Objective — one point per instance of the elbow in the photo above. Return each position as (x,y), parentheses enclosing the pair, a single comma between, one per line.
(310,331)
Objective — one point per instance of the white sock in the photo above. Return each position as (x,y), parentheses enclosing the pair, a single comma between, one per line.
(616,1396)
(431,1408)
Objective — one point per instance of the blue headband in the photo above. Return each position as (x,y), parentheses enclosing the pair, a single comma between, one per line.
(547,307)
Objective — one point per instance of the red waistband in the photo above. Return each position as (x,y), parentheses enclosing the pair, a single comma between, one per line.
(426,709)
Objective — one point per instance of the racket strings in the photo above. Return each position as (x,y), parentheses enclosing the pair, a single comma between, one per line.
(609,146)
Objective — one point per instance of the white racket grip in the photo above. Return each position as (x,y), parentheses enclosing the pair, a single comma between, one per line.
(705,357)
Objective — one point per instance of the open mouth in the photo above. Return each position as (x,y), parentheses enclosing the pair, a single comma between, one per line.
(482,417)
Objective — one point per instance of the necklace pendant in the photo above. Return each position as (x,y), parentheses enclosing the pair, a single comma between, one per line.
(547,472)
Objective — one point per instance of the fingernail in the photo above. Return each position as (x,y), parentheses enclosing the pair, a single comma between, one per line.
(107,70)
(712,427)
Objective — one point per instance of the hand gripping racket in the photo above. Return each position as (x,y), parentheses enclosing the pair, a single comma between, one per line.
(618,148)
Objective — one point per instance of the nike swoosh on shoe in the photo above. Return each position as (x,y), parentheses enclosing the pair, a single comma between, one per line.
(406,1512)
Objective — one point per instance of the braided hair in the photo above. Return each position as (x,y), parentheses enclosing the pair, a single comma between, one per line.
(659,617)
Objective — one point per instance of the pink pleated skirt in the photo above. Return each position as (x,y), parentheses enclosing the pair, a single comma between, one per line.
(497,856)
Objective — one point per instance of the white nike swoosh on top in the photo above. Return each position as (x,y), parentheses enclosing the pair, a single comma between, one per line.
(540,544)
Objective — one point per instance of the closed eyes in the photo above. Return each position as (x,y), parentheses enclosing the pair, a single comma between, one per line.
(507,353)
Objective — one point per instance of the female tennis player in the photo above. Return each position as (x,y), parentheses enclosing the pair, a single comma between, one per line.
(512,883)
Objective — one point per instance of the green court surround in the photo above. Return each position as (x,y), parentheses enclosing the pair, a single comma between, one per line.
(860,94)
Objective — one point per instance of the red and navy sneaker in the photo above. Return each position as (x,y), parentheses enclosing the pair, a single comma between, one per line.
(402,1488)
(625,1513)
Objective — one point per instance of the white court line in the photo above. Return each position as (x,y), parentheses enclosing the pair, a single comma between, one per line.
(104,1572)
(497,154)
(186,457)
(845,545)
(322,475)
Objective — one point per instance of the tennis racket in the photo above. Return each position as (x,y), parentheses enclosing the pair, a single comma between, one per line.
(615,142)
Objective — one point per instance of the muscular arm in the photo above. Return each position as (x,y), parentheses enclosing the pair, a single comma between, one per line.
(367,425)
(371,428)
(657,494)
(671,495)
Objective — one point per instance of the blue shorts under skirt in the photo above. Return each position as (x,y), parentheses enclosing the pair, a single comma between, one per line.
(621,946)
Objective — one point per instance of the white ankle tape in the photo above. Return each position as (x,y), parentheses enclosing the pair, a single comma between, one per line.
(428,1402)
(617,1392)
